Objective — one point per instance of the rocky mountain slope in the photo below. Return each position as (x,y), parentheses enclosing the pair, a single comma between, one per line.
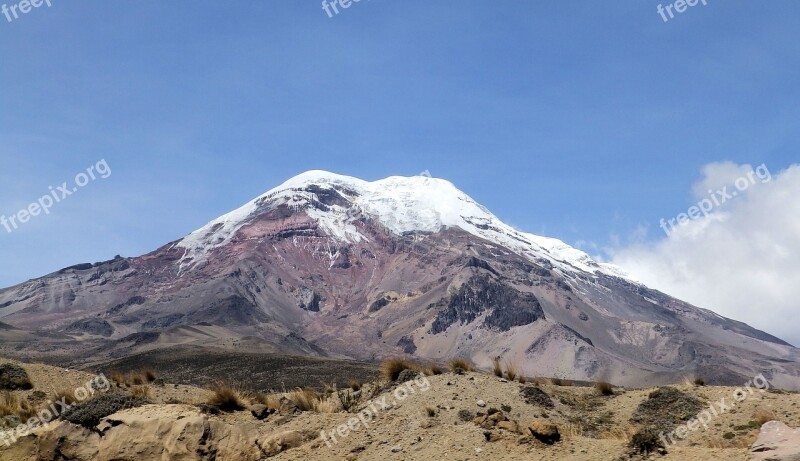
(330,265)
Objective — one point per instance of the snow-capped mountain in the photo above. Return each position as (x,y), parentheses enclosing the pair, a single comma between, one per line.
(326,264)
(401,204)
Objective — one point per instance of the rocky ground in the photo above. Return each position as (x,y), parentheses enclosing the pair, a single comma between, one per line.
(448,416)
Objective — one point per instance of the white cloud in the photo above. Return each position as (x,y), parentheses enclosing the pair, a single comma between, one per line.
(741,261)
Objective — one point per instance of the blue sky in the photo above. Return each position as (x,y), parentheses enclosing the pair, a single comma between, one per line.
(587,121)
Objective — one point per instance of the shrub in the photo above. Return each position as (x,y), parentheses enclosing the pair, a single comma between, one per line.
(497,369)
(604,388)
(348,399)
(699,382)
(393,367)
(328,388)
(355,385)
(522,379)
(90,412)
(226,398)
(465,415)
(14,377)
(461,363)
(646,440)
(535,396)
(666,407)
(431,412)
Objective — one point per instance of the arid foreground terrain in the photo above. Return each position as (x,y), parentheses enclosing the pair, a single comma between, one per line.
(437,414)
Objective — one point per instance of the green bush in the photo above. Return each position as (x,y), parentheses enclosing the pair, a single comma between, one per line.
(14,377)
(90,412)
(646,440)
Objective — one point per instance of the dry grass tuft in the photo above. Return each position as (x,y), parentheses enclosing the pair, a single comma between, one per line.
(511,371)
(328,388)
(762,416)
(620,432)
(497,369)
(393,367)
(604,388)
(305,399)
(333,405)
(431,412)
(149,374)
(434,370)
(12,405)
(271,401)
(699,382)
(461,363)
(226,398)
(331,400)
(355,385)
(570,430)
(117,378)
(67,395)
(522,379)
(142,391)
(133,378)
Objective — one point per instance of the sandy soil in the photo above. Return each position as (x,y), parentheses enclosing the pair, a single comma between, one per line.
(422,421)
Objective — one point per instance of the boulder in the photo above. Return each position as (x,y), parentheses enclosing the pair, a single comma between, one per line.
(510,426)
(544,431)
(776,442)
(287,407)
(490,421)
(174,432)
(278,443)
(259,411)
(407,375)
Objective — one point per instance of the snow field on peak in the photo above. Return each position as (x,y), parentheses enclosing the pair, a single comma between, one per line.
(401,204)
